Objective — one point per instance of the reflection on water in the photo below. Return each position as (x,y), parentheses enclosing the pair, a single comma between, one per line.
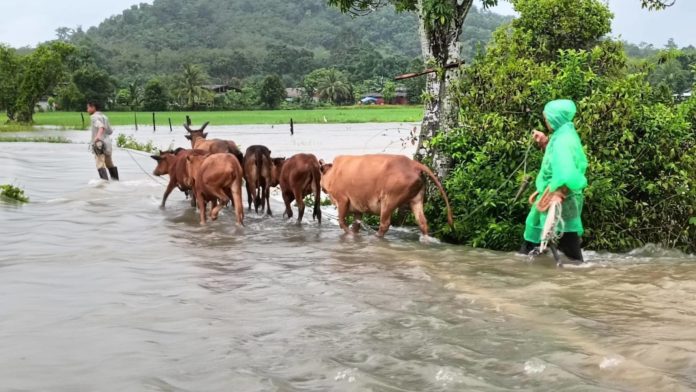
(102,290)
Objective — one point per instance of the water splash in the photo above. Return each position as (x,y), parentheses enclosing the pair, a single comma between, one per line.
(611,362)
(534,366)
(346,375)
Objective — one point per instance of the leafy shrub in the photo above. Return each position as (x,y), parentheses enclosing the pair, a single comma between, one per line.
(129,142)
(13,193)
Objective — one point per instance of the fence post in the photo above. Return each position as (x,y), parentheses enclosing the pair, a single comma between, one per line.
(135,120)
(170,125)
(154,127)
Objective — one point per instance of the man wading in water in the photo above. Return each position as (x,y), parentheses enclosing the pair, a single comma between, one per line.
(101,141)
(561,180)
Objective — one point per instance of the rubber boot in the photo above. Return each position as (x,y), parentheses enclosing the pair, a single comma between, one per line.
(113,172)
(102,174)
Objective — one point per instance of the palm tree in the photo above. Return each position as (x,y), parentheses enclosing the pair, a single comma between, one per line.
(190,85)
(135,97)
(334,87)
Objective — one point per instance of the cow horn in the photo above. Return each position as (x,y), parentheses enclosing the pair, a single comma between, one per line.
(205,125)
(188,128)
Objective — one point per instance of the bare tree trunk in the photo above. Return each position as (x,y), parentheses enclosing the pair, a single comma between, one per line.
(439,46)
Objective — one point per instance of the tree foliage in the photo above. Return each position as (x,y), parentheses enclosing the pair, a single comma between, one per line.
(272,91)
(155,96)
(29,77)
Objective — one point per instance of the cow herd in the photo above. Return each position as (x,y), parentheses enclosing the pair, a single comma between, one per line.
(213,171)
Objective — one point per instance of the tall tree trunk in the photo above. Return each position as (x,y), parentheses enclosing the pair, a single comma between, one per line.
(439,46)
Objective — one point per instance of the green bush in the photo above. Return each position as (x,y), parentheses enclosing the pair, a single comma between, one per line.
(13,193)
(129,142)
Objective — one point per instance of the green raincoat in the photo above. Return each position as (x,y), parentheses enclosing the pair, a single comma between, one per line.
(564,164)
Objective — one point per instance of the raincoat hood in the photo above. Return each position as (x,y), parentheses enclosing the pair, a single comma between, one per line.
(559,113)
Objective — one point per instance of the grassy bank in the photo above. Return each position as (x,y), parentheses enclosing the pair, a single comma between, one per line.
(351,114)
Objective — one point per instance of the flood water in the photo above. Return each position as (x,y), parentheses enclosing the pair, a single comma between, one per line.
(101,290)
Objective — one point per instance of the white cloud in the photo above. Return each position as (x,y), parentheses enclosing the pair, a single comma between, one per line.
(28,22)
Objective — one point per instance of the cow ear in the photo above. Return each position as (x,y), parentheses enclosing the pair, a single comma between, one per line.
(187,137)
(178,150)
(156,157)
(205,135)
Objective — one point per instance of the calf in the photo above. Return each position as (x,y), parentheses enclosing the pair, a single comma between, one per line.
(213,146)
(257,173)
(173,163)
(378,184)
(299,176)
(217,178)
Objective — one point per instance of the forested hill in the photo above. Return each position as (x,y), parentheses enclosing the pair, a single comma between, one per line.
(242,38)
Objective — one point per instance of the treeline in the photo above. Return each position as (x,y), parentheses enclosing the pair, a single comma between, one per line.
(173,47)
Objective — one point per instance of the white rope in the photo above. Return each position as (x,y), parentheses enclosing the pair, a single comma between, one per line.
(128,150)
(553,226)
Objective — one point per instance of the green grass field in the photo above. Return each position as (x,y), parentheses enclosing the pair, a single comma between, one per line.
(350,114)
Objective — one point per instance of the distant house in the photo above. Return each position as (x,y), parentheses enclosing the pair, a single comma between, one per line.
(219,88)
(401,97)
(294,93)
(374,98)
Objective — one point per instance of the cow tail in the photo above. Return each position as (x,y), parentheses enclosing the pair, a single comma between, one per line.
(258,159)
(430,174)
(316,178)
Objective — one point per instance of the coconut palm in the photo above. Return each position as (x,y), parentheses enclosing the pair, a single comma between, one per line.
(334,87)
(190,88)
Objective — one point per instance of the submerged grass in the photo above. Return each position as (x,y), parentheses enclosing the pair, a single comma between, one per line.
(333,115)
(13,193)
(34,139)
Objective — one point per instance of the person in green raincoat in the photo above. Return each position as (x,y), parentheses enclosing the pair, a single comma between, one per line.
(560,179)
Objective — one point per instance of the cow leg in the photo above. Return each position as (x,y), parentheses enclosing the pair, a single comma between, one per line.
(357,218)
(385,218)
(417,208)
(237,200)
(288,197)
(219,203)
(342,206)
(300,205)
(201,207)
(170,188)
(248,189)
(267,198)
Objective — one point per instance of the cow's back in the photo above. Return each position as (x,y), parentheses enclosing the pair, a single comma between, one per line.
(374,172)
(297,169)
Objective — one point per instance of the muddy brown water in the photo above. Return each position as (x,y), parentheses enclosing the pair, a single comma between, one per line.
(100,290)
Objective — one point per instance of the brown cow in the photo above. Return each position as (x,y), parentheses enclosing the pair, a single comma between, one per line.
(217,178)
(213,146)
(257,173)
(173,163)
(378,184)
(300,175)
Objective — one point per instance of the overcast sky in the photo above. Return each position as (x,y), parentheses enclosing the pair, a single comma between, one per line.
(28,22)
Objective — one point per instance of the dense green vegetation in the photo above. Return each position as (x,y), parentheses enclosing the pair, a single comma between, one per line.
(641,146)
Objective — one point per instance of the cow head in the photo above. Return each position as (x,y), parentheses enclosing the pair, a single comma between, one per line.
(194,162)
(195,134)
(164,162)
(275,170)
(324,167)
